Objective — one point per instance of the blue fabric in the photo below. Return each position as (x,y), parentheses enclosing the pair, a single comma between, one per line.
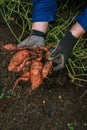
(82,19)
(44,10)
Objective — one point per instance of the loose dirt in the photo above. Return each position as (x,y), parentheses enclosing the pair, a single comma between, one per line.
(58,104)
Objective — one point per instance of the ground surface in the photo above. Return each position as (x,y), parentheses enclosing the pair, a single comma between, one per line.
(58,104)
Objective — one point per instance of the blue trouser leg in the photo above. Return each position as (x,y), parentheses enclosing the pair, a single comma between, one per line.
(44,10)
(82,19)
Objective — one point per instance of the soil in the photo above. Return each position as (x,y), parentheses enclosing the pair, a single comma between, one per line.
(58,104)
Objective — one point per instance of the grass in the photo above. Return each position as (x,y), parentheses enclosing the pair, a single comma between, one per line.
(19,13)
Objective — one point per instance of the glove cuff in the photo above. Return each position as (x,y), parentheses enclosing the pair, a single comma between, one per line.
(69,36)
(38,33)
(66,45)
(67,42)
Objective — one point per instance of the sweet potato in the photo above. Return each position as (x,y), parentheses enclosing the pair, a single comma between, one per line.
(36,74)
(18,60)
(47,69)
(9,47)
(24,77)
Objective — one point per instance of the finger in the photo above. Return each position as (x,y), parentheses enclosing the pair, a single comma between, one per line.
(54,54)
(24,42)
(59,59)
(58,67)
(59,62)
(55,51)
(51,57)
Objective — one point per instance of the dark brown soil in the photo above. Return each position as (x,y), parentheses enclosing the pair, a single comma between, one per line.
(58,104)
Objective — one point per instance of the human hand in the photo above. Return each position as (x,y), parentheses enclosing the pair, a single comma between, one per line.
(34,40)
(62,52)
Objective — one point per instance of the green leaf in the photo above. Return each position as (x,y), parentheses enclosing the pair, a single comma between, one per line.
(2,95)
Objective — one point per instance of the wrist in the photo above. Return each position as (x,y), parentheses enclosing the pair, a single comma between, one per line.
(69,39)
(40,26)
(38,33)
(77,30)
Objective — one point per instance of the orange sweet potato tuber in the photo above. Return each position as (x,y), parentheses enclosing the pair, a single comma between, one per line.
(17,61)
(36,74)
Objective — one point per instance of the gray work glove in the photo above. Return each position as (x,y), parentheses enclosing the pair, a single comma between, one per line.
(35,39)
(62,51)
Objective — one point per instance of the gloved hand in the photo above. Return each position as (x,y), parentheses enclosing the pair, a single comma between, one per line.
(35,39)
(62,51)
